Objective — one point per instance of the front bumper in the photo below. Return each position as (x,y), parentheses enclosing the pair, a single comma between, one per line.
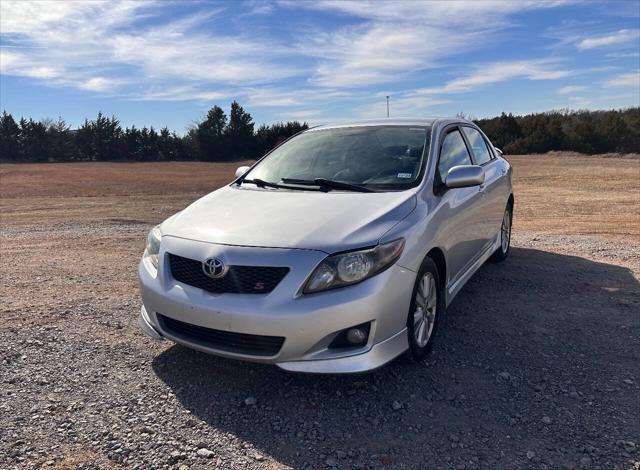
(307,322)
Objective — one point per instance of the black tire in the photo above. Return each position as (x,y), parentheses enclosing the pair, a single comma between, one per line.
(418,352)
(502,253)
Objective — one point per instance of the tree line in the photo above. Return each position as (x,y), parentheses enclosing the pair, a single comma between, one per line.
(219,137)
(590,132)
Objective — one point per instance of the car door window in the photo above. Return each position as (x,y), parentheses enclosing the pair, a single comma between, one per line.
(453,153)
(478,145)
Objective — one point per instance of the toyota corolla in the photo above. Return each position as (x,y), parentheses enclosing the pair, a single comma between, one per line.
(336,252)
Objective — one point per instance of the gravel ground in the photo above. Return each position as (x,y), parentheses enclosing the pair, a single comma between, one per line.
(537,366)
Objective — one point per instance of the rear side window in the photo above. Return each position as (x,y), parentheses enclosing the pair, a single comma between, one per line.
(453,153)
(478,145)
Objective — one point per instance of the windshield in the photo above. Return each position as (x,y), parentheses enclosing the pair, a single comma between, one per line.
(382,157)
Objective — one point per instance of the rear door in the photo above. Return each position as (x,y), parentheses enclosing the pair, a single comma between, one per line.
(493,200)
(460,210)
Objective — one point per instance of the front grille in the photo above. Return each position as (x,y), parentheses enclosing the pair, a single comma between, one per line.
(238,280)
(254,345)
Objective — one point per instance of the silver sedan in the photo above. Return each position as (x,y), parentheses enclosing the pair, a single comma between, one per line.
(336,252)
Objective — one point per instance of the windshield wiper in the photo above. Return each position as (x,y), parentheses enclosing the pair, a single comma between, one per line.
(260,183)
(329,184)
(268,184)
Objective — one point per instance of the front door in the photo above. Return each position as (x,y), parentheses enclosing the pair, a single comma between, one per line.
(461,208)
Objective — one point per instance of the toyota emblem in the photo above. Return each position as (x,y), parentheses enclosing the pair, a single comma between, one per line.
(214,268)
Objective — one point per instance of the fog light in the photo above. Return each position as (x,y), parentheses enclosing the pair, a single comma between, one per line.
(356,336)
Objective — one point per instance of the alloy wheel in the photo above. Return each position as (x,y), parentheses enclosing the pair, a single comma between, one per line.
(424,315)
(506,231)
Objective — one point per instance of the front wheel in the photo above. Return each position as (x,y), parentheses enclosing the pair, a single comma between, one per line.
(427,306)
(505,237)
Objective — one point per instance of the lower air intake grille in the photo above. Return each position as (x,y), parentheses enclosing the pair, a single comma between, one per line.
(240,343)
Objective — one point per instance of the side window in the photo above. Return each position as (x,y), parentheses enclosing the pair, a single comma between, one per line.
(453,152)
(478,145)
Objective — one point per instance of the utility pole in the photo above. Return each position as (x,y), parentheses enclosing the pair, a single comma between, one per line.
(387,105)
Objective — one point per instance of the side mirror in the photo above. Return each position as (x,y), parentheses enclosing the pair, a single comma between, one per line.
(241,171)
(498,151)
(464,176)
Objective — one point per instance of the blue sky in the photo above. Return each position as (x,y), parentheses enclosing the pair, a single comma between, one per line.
(165,63)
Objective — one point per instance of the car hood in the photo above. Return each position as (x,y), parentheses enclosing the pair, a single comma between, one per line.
(327,221)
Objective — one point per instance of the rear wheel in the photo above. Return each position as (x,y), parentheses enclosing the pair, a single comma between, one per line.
(505,237)
(427,305)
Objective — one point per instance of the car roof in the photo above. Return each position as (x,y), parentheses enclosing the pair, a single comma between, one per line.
(426,122)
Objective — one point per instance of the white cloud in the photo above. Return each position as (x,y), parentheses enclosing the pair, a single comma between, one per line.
(623,81)
(489,74)
(458,12)
(260,7)
(19,17)
(305,114)
(427,101)
(619,37)
(176,53)
(181,93)
(579,102)
(287,96)
(396,39)
(108,46)
(354,57)
(96,84)
(12,63)
(273,98)
(401,106)
(622,55)
(567,90)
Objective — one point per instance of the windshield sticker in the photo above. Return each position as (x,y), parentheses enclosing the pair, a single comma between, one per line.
(404,175)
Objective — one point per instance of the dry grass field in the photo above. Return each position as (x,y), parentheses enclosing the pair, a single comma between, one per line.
(555,193)
(537,366)
(578,195)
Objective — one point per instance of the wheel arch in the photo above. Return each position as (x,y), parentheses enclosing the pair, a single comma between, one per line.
(437,255)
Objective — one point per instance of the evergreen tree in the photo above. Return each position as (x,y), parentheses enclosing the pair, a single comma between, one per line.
(61,144)
(9,139)
(268,137)
(107,138)
(84,141)
(131,144)
(210,135)
(33,140)
(239,133)
(502,130)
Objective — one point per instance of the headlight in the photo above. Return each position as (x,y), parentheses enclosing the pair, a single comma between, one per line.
(349,268)
(153,245)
